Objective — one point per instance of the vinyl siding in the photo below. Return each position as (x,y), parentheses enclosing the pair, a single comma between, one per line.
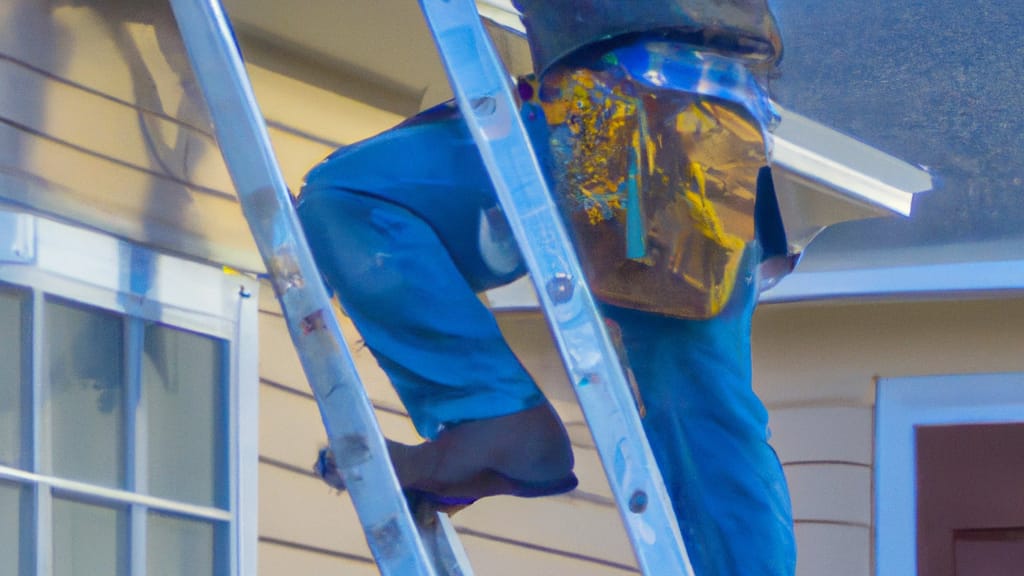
(101,123)
(816,367)
(823,430)
(578,533)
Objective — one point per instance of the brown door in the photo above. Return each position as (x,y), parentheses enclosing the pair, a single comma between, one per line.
(989,552)
(970,500)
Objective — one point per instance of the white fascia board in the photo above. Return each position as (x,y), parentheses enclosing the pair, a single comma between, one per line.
(502,13)
(823,177)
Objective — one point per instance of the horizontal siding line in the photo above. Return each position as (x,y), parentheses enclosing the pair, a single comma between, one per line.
(378,406)
(528,311)
(118,161)
(134,105)
(461,531)
(796,463)
(589,498)
(278,56)
(579,445)
(309,396)
(819,403)
(577,495)
(273,462)
(316,550)
(822,522)
(276,310)
(546,549)
(36,179)
(287,389)
(281,126)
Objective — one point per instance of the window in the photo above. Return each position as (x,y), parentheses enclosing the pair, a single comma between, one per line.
(83,369)
(11,353)
(89,538)
(185,445)
(127,414)
(13,499)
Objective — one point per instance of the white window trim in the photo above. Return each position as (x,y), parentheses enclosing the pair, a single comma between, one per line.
(48,258)
(903,404)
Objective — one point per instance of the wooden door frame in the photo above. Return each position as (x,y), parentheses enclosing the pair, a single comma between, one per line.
(901,405)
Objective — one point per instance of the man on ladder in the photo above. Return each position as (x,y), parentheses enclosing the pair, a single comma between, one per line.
(652,124)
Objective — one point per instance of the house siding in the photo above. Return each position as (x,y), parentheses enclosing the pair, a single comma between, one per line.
(816,367)
(300,517)
(99,125)
(305,523)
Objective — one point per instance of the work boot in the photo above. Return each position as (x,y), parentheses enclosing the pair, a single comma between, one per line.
(526,454)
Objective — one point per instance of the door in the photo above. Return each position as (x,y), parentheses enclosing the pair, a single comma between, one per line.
(970,501)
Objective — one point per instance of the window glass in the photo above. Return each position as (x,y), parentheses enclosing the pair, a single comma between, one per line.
(183,379)
(177,546)
(936,84)
(89,539)
(11,343)
(10,528)
(85,361)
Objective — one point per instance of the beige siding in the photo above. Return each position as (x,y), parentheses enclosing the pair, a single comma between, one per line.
(579,533)
(848,440)
(831,492)
(832,549)
(287,559)
(499,558)
(816,366)
(103,124)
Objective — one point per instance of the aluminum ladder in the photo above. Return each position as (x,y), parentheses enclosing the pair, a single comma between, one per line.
(402,545)
(483,90)
(427,545)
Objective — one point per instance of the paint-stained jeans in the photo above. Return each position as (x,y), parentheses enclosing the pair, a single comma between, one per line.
(405,227)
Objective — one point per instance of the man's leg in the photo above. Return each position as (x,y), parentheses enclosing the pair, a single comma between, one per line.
(709,434)
(674,138)
(401,278)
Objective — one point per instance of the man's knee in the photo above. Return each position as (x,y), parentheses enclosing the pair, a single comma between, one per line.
(352,238)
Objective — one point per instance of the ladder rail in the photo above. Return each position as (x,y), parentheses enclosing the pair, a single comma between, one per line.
(348,416)
(483,92)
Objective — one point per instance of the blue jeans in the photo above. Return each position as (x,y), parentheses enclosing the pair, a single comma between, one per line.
(395,225)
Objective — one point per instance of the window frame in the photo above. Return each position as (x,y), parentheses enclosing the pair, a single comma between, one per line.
(901,405)
(42,259)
